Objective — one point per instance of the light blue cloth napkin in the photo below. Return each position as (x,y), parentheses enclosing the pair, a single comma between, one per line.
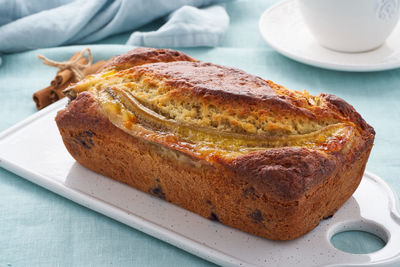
(187,27)
(26,25)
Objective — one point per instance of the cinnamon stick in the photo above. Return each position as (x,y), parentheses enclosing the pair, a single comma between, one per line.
(57,93)
(62,80)
(94,67)
(65,75)
(42,97)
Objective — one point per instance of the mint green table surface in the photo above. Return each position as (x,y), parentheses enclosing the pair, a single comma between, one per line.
(39,228)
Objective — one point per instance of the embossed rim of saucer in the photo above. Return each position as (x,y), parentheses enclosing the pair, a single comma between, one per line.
(283,28)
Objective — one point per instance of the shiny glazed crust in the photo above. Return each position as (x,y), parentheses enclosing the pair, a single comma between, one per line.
(144,55)
(311,163)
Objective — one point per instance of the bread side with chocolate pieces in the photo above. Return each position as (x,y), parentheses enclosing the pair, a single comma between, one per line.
(217,141)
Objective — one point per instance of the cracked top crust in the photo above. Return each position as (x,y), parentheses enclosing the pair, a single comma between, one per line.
(282,142)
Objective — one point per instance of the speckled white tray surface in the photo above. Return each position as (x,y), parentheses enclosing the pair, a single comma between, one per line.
(34,150)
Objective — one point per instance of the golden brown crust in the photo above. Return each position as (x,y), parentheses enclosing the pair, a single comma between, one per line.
(287,173)
(266,157)
(290,172)
(348,112)
(145,55)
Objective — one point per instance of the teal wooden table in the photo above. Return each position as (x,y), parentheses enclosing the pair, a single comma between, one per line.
(39,228)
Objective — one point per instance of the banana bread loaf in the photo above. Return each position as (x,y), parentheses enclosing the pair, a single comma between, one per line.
(217,141)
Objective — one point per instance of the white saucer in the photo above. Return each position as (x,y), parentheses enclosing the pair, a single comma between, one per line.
(282,27)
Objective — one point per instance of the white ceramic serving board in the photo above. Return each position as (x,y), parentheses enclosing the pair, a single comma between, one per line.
(283,28)
(34,150)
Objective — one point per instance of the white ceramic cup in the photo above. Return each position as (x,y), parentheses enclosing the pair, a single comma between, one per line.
(350,25)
